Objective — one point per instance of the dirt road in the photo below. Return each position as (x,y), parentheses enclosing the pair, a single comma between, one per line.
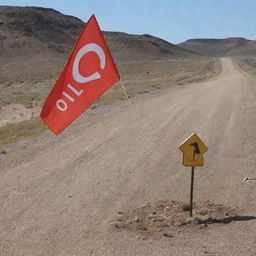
(59,193)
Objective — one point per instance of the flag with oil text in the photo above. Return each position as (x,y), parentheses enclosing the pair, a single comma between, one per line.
(89,72)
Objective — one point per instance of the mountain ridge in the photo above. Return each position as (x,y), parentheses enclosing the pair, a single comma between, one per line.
(33,37)
(231,46)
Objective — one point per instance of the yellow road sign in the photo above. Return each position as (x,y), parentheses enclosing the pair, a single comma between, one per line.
(193,150)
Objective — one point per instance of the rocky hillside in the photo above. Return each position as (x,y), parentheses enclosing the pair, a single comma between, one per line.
(35,43)
(222,47)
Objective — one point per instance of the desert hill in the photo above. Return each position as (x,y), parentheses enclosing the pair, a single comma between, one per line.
(235,46)
(37,41)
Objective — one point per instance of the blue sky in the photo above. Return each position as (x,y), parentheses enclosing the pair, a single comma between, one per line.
(172,20)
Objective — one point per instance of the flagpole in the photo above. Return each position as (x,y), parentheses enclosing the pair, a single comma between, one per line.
(125,93)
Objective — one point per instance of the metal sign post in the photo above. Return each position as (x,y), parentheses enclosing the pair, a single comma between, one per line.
(192,190)
(193,149)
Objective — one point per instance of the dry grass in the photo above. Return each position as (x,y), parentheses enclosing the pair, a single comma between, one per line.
(141,78)
(137,78)
(28,94)
(19,131)
(248,64)
(149,77)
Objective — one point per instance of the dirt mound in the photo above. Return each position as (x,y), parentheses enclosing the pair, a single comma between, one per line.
(222,47)
(166,218)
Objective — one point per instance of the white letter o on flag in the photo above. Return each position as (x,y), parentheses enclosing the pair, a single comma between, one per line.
(61,105)
(85,49)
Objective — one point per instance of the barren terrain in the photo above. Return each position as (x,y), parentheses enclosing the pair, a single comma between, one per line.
(60,195)
(232,46)
(14,113)
(35,44)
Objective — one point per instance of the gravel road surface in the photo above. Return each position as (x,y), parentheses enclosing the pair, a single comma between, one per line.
(58,195)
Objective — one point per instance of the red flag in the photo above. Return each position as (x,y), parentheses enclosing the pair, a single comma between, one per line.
(89,72)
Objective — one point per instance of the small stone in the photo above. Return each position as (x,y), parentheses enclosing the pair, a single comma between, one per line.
(182,224)
(144,205)
(136,219)
(168,235)
(189,220)
(203,226)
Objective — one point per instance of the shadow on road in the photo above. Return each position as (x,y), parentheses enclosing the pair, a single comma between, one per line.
(227,220)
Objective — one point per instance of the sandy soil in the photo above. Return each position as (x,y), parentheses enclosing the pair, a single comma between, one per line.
(59,194)
(15,113)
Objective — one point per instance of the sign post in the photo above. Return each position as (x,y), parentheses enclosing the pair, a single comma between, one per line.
(191,190)
(193,149)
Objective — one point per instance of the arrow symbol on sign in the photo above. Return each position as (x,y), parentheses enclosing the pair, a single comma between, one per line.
(193,150)
(196,150)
